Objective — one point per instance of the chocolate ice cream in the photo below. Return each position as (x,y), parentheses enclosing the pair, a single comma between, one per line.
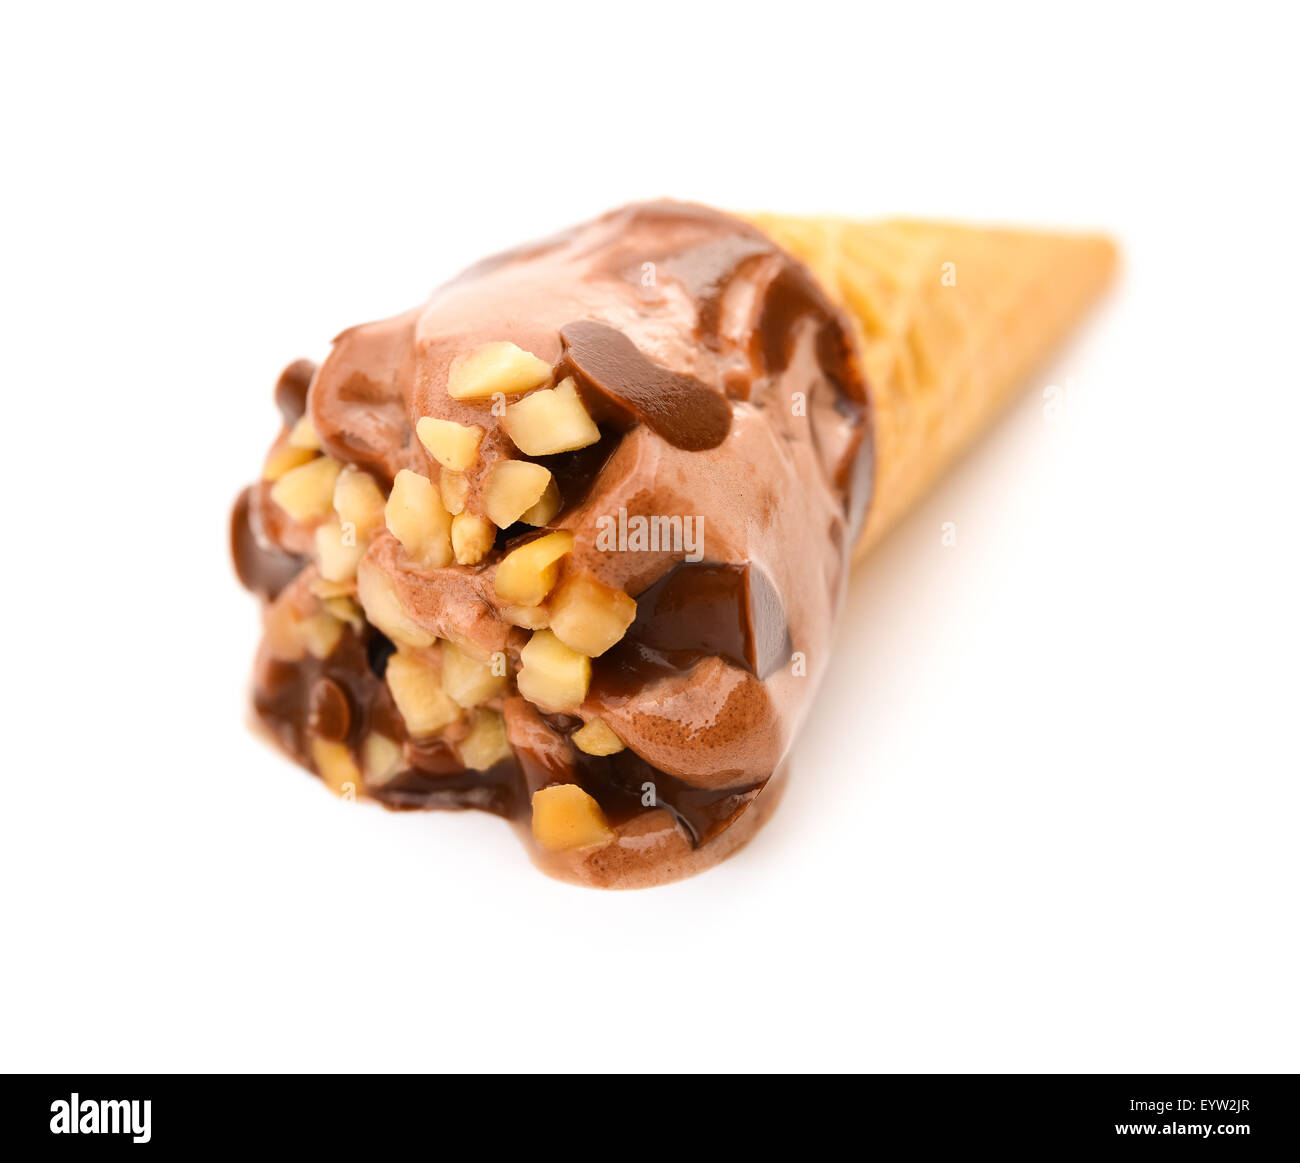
(568,542)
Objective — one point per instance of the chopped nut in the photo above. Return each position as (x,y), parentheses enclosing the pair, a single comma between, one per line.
(512,488)
(332,589)
(280,460)
(416,517)
(424,706)
(471,537)
(467,680)
(452,445)
(495,367)
(486,744)
(359,500)
(527,574)
(381,758)
(590,617)
(290,633)
(347,611)
(335,766)
(546,508)
(550,421)
(320,633)
(454,487)
(378,597)
(566,818)
(552,676)
(303,435)
(306,493)
(338,560)
(526,617)
(596,738)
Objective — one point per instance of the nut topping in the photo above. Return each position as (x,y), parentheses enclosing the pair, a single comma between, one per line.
(306,493)
(359,501)
(378,597)
(514,487)
(551,675)
(550,421)
(597,738)
(486,744)
(526,575)
(588,616)
(417,518)
(566,818)
(471,537)
(417,690)
(454,487)
(335,765)
(467,680)
(338,559)
(381,758)
(495,367)
(452,445)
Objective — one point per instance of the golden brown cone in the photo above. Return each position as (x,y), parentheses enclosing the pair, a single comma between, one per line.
(943,346)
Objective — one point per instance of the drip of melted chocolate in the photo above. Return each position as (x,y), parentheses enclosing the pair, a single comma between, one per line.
(621,386)
(291,389)
(695,611)
(261,566)
(626,785)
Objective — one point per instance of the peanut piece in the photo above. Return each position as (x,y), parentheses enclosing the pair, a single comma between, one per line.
(416,517)
(303,435)
(280,460)
(590,617)
(495,367)
(486,744)
(454,487)
(467,680)
(306,493)
(338,560)
(551,675)
(417,690)
(550,421)
(378,597)
(526,617)
(597,738)
(359,501)
(566,818)
(381,757)
(545,509)
(346,611)
(319,633)
(471,537)
(452,445)
(526,575)
(335,765)
(512,488)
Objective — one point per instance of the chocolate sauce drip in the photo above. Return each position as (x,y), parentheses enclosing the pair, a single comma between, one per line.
(621,386)
(619,784)
(575,472)
(262,567)
(698,610)
(496,790)
(705,271)
(291,389)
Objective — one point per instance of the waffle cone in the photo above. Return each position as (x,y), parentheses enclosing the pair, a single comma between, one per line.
(943,347)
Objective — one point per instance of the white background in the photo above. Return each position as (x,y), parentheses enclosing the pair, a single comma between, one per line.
(1044,816)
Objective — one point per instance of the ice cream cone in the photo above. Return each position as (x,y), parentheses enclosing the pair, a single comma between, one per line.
(949,321)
